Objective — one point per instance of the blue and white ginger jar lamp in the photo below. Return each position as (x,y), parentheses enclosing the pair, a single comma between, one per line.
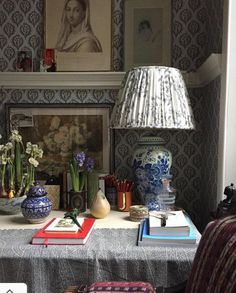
(37,206)
(151,162)
(152,97)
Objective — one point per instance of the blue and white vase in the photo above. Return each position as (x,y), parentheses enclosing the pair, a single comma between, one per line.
(152,161)
(37,206)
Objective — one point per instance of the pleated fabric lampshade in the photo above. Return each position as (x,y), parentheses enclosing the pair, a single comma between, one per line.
(153,97)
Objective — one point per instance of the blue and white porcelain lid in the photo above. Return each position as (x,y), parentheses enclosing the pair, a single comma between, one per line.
(37,190)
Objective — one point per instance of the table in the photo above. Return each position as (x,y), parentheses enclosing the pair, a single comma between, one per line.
(110,254)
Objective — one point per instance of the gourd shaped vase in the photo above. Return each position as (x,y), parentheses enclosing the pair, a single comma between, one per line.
(100,207)
(37,206)
(151,161)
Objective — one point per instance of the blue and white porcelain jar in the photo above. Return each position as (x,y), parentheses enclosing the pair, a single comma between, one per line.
(151,162)
(37,206)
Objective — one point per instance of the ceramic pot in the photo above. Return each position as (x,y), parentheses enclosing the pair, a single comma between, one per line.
(124,200)
(151,162)
(37,206)
(78,200)
(11,206)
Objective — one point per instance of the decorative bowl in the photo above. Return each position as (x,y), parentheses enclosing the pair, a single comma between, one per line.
(11,206)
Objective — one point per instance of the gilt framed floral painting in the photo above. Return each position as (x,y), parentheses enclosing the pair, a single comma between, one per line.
(80,33)
(147,29)
(62,130)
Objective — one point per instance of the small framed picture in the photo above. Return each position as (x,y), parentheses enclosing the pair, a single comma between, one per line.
(147,33)
(48,62)
(24,62)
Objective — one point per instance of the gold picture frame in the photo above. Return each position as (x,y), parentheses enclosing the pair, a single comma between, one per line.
(63,129)
(80,33)
(147,29)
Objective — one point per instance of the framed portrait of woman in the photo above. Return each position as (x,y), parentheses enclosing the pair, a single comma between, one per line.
(80,33)
(147,37)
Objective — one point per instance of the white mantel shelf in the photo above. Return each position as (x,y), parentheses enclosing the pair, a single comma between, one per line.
(207,72)
(47,80)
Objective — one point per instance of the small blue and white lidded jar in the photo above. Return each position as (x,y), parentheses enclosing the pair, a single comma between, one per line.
(37,206)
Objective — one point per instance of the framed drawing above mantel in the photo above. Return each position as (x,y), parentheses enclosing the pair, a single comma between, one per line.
(80,33)
(147,33)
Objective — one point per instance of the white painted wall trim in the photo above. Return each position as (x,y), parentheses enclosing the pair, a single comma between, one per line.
(221,182)
(207,72)
(58,80)
(227,135)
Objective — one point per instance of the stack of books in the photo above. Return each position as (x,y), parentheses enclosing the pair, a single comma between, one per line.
(61,231)
(174,229)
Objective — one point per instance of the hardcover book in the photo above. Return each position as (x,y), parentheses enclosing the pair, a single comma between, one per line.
(63,225)
(80,237)
(145,239)
(176,224)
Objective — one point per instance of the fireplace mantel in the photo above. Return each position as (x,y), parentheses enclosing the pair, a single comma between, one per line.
(47,80)
(208,71)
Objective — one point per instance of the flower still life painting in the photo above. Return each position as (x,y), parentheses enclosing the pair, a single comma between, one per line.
(62,131)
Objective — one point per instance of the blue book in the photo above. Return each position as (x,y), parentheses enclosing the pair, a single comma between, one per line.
(145,239)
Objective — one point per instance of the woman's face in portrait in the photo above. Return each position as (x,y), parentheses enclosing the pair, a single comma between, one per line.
(74,12)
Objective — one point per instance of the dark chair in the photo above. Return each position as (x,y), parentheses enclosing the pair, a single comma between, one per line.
(214,265)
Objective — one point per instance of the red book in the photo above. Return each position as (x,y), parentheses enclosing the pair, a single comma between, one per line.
(46,238)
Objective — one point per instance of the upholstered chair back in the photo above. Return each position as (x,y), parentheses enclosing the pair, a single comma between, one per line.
(214,266)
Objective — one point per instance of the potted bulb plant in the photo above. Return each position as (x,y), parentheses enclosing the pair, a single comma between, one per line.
(79,166)
(17,171)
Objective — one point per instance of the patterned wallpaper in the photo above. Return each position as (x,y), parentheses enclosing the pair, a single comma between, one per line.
(211,104)
(193,39)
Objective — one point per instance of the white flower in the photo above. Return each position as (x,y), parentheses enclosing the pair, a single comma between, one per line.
(9,146)
(3,159)
(15,136)
(33,162)
(28,147)
(40,153)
